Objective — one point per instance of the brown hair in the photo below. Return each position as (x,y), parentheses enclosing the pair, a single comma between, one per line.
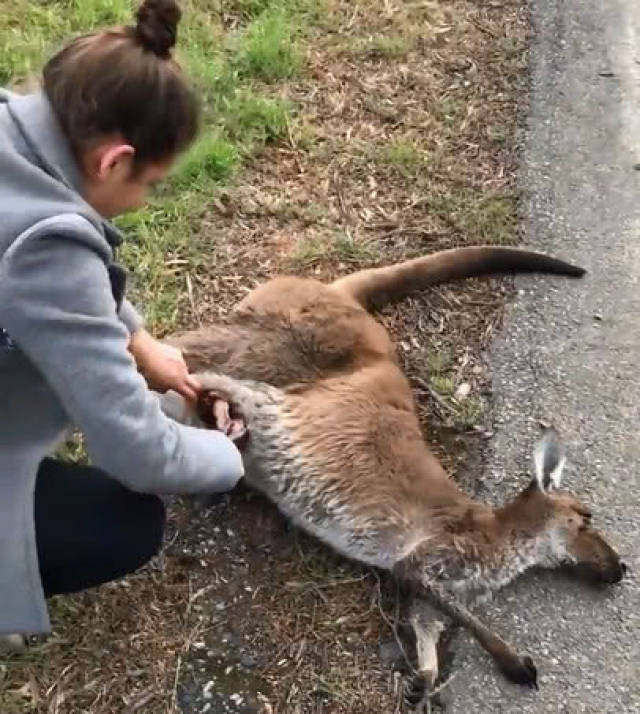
(124,80)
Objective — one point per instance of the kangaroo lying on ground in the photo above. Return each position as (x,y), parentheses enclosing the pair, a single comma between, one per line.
(334,441)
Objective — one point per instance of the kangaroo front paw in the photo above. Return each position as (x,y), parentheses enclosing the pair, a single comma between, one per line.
(521,670)
(218,412)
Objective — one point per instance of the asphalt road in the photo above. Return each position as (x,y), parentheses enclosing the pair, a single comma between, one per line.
(570,355)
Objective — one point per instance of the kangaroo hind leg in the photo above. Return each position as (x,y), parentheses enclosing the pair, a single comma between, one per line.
(426,624)
(517,669)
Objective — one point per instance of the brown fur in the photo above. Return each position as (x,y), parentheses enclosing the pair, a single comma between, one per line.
(335,440)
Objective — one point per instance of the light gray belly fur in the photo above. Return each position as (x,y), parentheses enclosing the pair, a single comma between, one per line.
(276,466)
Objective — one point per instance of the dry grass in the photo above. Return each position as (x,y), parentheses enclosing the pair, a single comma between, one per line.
(402,141)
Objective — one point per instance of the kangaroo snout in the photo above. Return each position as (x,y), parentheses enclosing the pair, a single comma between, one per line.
(610,574)
(615,574)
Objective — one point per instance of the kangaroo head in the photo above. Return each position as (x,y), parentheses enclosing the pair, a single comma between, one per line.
(559,523)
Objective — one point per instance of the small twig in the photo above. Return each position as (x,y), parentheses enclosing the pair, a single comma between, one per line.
(194,597)
(292,585)
(343,207)
(192,301)
(394,628)
(186,647)
(294,148)
(353,18)
(486,30)
(445,405)
(59,679)
(142,701)
(443,685)
(174,694)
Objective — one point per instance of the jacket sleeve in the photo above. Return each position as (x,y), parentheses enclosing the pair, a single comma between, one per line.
(132,319)
(56,304)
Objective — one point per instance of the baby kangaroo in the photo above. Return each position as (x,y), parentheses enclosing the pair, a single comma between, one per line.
(334,441)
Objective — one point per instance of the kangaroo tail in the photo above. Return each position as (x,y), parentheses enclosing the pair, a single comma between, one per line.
(378,286)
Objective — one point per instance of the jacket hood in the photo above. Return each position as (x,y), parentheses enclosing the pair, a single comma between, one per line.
(40,130)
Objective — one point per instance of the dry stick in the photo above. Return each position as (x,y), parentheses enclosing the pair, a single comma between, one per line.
(191,636)
(192,302)
(294,147)
(444,684)
(436,396)
(486,30)
(393,627)
(436,690)
(174,696)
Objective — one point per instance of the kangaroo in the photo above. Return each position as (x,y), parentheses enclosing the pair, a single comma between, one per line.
(334,441)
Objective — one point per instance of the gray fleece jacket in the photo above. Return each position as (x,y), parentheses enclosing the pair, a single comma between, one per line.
(64,330)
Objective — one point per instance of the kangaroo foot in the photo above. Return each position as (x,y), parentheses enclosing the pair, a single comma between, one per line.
(217,412)
(416,694)
(427,627)
(519,670)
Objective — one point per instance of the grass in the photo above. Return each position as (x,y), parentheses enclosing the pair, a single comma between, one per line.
(337,134)
(461,408)
(231,70)
(30,31)
(385,46)
(404,156)
(267,48)
(339,249)
(213,159)
(254,121)
(482,218)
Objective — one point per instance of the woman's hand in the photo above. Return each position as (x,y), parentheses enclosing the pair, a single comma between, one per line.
(163,366)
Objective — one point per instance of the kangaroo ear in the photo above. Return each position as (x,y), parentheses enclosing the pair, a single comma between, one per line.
(549,458)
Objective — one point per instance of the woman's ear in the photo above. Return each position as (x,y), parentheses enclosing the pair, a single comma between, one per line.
(115,161)
(107,160)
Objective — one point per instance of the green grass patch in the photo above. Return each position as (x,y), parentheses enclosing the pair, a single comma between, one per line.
(493,219)
(30,31)
(354,252)
(390,47)
(25,37)
(83,14)
(404,156)
(250,9)
(449,111)
(267,49)
(213,158)
(470,412)
(498,134)
(440,361)
(339,248)
(254,120)
(462,412)
(160,248)
(481,219)
(443,384)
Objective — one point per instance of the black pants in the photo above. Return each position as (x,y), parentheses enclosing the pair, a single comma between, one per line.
(89,528)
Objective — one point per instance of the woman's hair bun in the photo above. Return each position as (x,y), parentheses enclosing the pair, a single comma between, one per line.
(157,26)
